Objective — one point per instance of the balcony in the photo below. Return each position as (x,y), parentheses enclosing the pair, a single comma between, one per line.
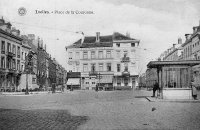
(125,59)
(126,73)
(93,73)
(10,54)
(2,51)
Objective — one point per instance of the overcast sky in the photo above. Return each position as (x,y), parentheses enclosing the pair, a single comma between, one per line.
(156,23)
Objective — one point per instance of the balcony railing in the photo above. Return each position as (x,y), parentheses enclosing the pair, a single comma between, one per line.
(126,73)
(10,54)
(125,59)
(2,51)
(93,73)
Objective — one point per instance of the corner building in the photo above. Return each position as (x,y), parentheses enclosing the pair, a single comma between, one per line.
(109,62)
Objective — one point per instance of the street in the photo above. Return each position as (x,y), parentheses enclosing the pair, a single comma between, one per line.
(96,110)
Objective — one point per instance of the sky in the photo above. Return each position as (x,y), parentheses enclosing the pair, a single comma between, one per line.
(156,23)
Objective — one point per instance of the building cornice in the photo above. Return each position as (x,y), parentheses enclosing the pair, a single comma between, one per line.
(11,35)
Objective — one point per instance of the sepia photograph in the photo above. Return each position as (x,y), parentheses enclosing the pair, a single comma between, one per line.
(100,65)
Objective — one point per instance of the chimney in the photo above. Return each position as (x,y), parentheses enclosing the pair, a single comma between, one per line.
(41,43)
(195,29)
(179,41)
(97,36)
(38,43)
(174,45)
(128,34)
(31,36)
(45,47)
(187,36)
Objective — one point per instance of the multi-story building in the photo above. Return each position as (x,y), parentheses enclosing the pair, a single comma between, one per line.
(174,53)
(10,57)
(104,61)
(52,72)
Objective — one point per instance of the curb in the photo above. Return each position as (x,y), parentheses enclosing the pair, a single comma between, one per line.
(150,99)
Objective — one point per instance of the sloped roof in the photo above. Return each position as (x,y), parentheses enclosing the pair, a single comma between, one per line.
(105,41)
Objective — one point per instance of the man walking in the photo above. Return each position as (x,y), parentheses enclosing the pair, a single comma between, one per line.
(156,87)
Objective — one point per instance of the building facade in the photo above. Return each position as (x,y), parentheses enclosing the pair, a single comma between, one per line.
(10,57)
(104,61)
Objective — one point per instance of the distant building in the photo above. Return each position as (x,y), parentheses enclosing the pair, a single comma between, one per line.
(105,61)
(174,53)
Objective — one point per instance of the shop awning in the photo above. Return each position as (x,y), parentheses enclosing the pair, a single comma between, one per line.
(73,81)
(106,79)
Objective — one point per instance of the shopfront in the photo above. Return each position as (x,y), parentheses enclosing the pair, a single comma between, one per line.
(174,78)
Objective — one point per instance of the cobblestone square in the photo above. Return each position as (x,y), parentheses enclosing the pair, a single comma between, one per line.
(96,110)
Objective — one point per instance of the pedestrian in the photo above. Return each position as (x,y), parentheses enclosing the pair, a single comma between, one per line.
(156,87)
(194,91)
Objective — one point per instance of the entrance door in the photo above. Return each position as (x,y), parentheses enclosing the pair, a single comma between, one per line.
(126,81)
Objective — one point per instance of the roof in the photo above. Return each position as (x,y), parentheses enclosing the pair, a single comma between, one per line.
(10,34)
(105,41)
(33,47)
(156,64)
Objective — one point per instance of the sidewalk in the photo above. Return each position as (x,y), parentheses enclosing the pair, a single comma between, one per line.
(155,99)
(23,93)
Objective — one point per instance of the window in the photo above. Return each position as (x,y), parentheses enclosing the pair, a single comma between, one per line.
(93,82)
(18,64)
(8,47)
(22,56)
(108,54)
(9,63)
(118,81)
(108,66)
(18,52)
(85,67)
(125,53)
(3,47)
(118,54)
(2,62)
(100,54)
(101,67)
(118,67)
(92,54)
(85,55)
(22,67)
(132,44)
(93,67)
(118,44)
(77,55)
(14,49)
(34,80)
(14,64)
(70,55)
(125,67)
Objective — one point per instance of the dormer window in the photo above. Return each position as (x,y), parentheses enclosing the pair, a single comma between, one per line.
(132,44)
(118,44)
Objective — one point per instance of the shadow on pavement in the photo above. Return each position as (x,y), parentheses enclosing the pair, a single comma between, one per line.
(39,119)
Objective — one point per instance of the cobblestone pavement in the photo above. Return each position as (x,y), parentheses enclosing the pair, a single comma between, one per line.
(39,119)
(111,110)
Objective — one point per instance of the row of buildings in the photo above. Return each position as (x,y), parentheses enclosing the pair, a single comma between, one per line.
(188,50)
(106,62)
(14,49)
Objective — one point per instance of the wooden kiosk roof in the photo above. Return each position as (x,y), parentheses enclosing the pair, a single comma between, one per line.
(156,64)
